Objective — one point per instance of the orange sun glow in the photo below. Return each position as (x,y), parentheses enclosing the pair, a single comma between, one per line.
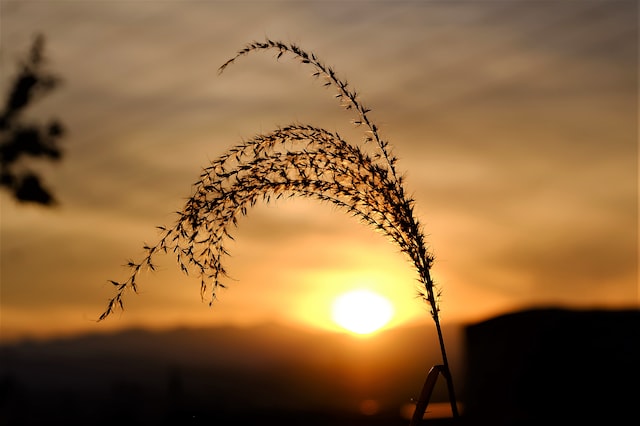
(361,311)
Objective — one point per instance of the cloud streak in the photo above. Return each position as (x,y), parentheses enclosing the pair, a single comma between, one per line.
(516,123)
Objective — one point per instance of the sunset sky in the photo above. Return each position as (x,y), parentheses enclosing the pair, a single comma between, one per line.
(515,122)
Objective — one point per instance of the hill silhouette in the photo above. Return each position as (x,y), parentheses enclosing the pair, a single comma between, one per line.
(226,375)
(527,367)
(554,366)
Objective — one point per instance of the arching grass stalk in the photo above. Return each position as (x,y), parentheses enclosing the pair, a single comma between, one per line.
(296,160)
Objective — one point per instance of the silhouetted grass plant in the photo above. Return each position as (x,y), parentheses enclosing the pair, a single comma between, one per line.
(295,160)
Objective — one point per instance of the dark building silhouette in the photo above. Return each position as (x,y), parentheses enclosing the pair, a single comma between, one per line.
(554,367)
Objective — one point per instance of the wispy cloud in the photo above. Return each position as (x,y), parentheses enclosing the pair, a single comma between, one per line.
(516,122)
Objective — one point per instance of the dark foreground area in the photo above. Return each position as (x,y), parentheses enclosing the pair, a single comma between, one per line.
(267,375)
(528,368)
(554,366)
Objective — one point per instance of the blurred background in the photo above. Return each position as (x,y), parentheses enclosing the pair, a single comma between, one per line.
(515,121)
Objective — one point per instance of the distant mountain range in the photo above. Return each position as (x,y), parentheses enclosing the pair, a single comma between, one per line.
(216,375)
(524,368)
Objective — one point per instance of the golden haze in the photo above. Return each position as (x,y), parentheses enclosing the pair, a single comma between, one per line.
(516,124)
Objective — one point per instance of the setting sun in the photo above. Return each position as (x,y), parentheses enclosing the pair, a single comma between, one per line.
(361,311)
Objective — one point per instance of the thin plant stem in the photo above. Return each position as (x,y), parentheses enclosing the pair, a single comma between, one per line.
(447,370)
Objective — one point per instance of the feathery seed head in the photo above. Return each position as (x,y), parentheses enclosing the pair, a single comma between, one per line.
(296,160)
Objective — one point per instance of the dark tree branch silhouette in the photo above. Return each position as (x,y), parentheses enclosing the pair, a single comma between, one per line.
(22,140)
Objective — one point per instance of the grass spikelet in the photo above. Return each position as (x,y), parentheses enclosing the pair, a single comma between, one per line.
(296,160)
